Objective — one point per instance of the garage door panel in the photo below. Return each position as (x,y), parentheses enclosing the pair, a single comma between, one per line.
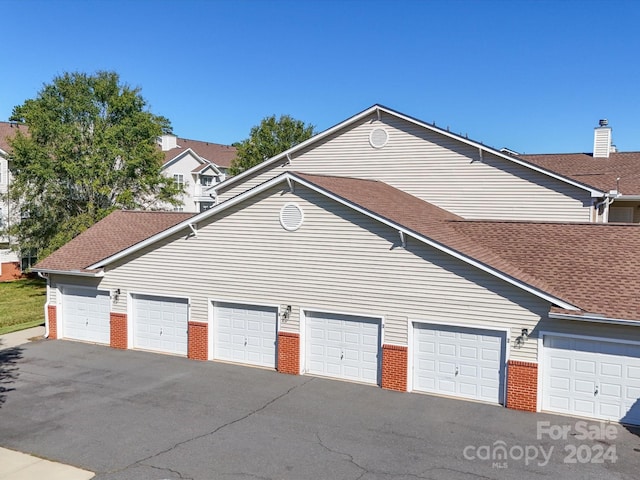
(245,334)
(469,362)
(160,323)
(85,315)
(348,347)
(602,378)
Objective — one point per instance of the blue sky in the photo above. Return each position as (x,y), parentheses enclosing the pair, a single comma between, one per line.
(534,76)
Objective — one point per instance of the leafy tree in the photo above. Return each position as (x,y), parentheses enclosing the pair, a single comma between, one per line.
(268,139)
(90,149)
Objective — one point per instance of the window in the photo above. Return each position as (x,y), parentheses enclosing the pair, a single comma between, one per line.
(178,209)
(179,179)
(206,180)
(205,206)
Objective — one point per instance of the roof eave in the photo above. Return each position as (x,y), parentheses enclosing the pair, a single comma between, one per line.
(595,193)
(297,147)
(286,176)
(182,154)
(76,273)
(593,317)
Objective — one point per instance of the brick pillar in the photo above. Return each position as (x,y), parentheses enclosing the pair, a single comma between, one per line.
(289,353)
(394,367)
(522,385)
(10,271)
(53,322)
(198,341)
(119,335)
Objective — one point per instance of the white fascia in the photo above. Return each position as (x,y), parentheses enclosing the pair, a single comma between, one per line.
(379,108)
(76,273)
(180,155)
(595,318)
(439,246)
(594,193)
(287,153)
(193,220)
(287,177)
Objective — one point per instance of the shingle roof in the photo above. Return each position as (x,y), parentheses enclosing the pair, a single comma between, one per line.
(220,155)
(8,130)
(119,230)
(423,218)
(591,266)
(599,173)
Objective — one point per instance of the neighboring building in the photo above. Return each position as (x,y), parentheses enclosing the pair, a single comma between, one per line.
(617,173)
(362,254)
(9,261)
(196,165)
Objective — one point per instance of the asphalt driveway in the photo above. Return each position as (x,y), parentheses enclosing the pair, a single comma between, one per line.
(136,415)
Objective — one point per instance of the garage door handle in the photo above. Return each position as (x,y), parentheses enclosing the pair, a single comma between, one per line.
(456,371)
(245,341)
(596,392)
(160,331)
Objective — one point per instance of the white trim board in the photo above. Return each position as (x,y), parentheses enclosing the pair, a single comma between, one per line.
(376,109)
(285,177)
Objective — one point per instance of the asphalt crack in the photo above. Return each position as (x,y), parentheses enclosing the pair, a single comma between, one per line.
(365,470)
(166,469)
(208,434)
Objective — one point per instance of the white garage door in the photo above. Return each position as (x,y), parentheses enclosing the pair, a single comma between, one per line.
(160,324)
(592,378)
(459,361)
(343,346)
(245,334)
(85,313)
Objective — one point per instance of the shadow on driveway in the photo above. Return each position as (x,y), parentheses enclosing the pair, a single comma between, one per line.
(8,370)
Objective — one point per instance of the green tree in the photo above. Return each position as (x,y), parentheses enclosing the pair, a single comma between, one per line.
(90,149)
(268,139)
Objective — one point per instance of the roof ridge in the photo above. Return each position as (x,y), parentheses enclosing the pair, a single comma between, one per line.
(545,222)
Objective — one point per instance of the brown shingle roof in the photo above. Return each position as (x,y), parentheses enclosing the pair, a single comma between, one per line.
(422,217)
(591,266)
(220,155)
(8,130)
(599,173)
(114,233)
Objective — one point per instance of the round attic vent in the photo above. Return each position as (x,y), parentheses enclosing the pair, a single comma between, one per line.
(291,217)
(378,137)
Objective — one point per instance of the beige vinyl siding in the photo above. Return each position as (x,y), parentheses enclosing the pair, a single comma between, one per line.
(438,169)
(339,260)
(57,281)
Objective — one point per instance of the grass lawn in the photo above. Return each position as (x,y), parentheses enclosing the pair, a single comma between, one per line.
(22,304)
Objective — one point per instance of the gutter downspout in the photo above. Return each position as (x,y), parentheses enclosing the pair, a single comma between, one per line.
(46,304)
(608,199)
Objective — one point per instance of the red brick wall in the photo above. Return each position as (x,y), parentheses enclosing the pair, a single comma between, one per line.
(198,341)
(119,336)
(53,322)
(289,353)
(394,367)
(522,385)
(10,271)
